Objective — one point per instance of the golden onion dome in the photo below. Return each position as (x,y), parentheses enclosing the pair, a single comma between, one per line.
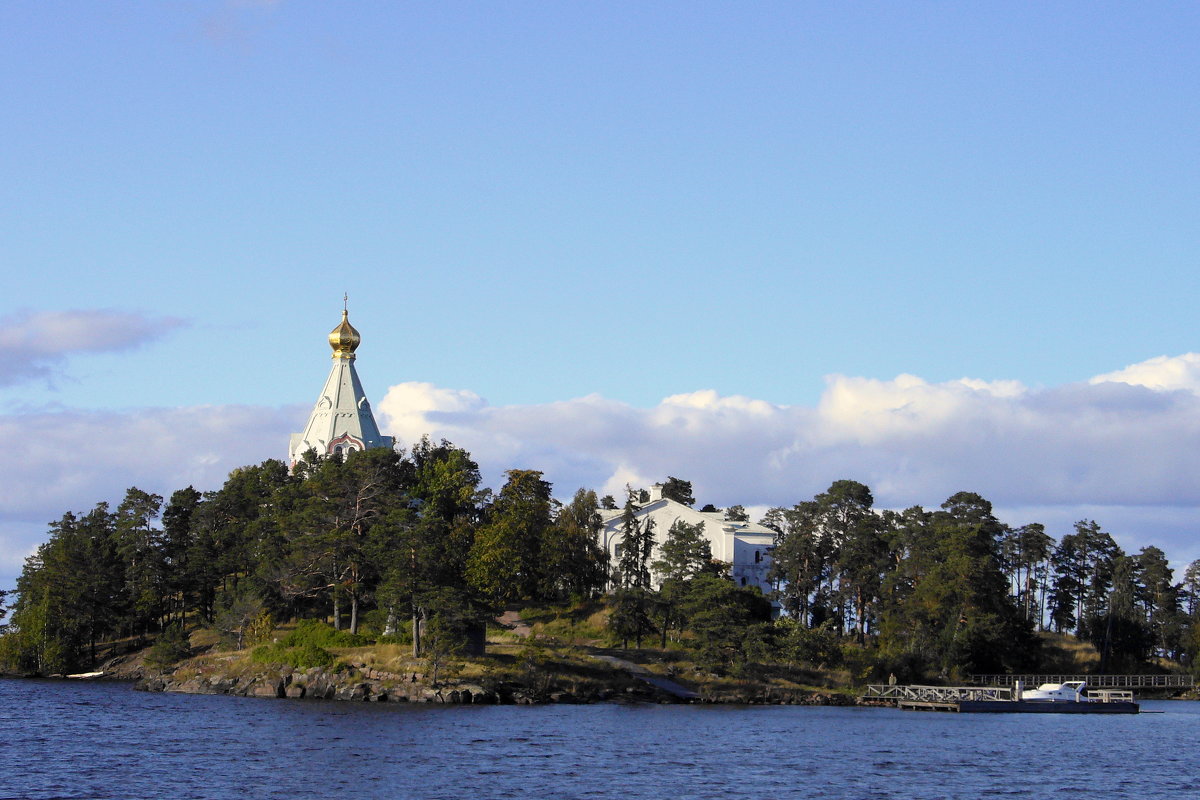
(344,339)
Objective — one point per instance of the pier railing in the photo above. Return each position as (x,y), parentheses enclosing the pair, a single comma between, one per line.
(902,695)
(1093,681)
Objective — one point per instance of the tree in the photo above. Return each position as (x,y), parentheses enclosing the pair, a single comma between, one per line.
(629,616)
(504,562)
(571,559)
(637,543)
(678,490)
(684,555)
(729,622)
(1157,597)
(1083,565)
(737,514)
(1191,588)
(800,560)
(69,595)
(180,584)
(140,547)
(1026,555)
(947,602)
(424,542)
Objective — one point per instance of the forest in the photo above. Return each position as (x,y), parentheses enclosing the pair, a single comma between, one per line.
(408,546)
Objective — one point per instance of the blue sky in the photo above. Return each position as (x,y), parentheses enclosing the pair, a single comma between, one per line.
(533,203)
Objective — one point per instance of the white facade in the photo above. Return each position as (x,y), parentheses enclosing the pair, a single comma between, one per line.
(341,421)
(745,546)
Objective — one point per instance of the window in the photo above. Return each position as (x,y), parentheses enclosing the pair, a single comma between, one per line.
(758,556)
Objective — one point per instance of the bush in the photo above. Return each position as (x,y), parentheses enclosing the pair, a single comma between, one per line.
(172,646)
(302,657)
(317,633)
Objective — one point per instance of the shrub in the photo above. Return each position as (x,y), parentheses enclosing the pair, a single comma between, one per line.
(302,657)
(172,646)
(318,634)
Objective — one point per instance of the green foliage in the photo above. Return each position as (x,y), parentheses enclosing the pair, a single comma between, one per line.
(240,617)
(536,666)
(314,633)
(818,647)
(171,646)
(737,514)
(678,490)
(301,656)
(685,553)
(731,624)
(630,615)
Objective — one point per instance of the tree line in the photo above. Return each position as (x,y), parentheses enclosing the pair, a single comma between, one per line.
(955,588)
(381,538)
(406,544)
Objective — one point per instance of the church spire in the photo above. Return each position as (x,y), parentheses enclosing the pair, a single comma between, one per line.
(341,421)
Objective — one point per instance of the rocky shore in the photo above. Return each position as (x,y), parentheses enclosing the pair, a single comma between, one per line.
(363,684)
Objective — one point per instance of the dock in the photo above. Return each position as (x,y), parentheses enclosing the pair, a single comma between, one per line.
(994,700)
(1168,681)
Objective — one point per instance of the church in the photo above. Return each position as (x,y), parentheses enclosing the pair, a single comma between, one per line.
(341,421)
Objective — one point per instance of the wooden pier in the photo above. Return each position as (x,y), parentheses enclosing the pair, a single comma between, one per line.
(995,699)
(936,698)
(1093,681)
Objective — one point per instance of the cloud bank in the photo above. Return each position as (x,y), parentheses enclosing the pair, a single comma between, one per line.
(1123,439)
(1119,448)
(69,461)
(33,344)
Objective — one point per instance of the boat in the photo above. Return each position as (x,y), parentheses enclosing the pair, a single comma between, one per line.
(1066,692)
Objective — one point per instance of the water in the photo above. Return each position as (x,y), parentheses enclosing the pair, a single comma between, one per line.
(83,740)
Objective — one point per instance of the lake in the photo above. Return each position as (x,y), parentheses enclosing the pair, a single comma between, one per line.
(104,740)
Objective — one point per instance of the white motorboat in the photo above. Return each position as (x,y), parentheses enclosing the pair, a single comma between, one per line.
(1066,692)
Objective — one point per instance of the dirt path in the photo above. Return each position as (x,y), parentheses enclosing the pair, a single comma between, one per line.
(642,674)
(513,622)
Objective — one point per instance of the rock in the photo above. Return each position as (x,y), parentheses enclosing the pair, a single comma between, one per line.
(296,690)
(267,687)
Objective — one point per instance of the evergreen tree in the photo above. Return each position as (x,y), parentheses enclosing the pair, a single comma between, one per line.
(678,490)
(684,555)
(572,561)
(637,544)
(504,561)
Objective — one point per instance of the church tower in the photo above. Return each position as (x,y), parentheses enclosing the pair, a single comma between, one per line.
(341,421)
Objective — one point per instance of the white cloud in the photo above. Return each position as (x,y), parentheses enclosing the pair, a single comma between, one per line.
(69,461)
(33,343)
(1166,373)
(1076,449)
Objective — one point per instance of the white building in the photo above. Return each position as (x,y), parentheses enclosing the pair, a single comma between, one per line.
(745,546)
(341,421)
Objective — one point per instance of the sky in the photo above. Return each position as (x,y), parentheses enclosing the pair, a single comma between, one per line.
(760,246)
